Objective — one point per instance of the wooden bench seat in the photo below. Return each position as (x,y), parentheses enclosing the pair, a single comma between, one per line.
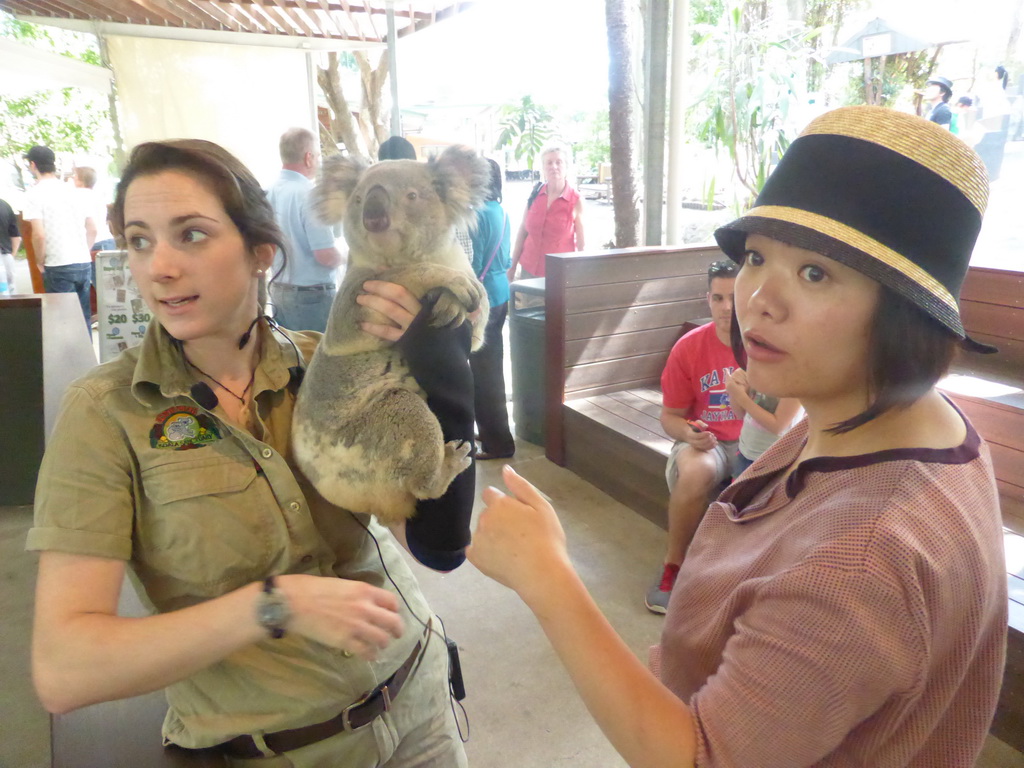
(625,425)
(611,320)
(990,388)
(1008,724)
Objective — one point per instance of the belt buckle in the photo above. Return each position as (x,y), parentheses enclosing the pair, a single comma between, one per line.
(345,713)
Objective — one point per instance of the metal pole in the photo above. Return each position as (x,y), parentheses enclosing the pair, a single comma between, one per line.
(314,117)
(396,114)
(656,71)
(677,114)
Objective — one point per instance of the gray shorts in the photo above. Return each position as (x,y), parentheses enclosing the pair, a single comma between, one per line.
(725,461)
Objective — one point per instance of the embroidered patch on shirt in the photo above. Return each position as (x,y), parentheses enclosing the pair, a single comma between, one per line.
(182,428)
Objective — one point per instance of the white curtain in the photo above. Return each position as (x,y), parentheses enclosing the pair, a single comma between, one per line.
(241,97)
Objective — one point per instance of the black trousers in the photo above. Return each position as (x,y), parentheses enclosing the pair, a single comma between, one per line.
(489,387)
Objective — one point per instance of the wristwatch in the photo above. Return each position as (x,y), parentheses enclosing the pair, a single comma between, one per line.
(272,611)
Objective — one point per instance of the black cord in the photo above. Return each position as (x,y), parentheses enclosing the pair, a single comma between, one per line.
(452,701)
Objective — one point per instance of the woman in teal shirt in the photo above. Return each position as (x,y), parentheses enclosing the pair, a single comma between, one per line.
(490,263)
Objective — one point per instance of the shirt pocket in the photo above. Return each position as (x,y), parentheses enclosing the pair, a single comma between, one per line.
(207,526)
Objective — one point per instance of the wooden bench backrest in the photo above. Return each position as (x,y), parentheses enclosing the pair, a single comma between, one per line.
(992,307)
(612,318)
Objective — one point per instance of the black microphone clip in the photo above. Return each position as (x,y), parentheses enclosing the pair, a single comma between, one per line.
(203,395)
(248,333)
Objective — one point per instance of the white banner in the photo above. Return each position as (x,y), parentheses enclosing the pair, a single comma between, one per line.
(122,313)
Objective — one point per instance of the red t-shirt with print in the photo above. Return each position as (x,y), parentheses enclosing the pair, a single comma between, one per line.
(694,381)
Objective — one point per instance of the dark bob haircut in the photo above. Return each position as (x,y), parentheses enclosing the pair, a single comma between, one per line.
(908,353)
(494,189)
(221,172)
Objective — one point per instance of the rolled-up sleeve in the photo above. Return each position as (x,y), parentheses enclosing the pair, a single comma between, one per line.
(84,494)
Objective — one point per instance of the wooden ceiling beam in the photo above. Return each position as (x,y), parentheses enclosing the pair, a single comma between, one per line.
(225,19)
(326,19)
(203,11)
(174,15)
(445,13)
(51,9)
(257,10)
(291,20)
(357,28)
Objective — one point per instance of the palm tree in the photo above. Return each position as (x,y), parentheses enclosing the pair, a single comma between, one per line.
(525,125)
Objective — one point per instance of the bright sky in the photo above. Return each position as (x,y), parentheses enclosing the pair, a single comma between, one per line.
(557,50)
(499,50)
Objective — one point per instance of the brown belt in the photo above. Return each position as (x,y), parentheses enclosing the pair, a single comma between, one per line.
(371,706)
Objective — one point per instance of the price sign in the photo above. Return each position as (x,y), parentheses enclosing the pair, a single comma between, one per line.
(123,315)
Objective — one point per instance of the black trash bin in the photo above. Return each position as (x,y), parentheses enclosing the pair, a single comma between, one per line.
(526,342)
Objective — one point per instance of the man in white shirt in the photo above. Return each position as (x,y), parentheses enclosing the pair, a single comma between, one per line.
(62,230)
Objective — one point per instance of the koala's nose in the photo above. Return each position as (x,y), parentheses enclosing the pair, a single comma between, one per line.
(375,210)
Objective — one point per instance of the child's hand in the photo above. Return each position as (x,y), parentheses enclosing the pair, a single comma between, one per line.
(736,384)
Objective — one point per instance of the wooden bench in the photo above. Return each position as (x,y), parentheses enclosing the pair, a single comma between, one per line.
(611,320)
(990,388)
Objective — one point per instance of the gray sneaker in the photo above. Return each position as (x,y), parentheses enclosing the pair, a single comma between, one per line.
(657,599)
(657,596)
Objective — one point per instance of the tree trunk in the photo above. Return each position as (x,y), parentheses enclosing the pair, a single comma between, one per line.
(343,126)
(622,121)
(373,81)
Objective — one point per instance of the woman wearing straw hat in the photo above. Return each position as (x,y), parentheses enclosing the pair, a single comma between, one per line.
(844,601)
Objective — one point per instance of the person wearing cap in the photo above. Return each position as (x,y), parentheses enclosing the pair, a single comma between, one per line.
(305,284)
(937,93)
(844,601)
(396,148)
(62,230)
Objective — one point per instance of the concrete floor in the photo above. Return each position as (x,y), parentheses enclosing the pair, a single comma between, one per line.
(523,711)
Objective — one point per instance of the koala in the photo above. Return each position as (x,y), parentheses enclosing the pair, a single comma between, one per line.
(362,432)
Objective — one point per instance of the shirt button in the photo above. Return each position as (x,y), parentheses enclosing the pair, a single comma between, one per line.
(295,506)
(267,453)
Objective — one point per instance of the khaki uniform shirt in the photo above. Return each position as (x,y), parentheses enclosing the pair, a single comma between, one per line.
(136,470)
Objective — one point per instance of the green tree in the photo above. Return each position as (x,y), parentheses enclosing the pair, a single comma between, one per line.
(65,119)
(752,80)
(594,146)
(527,127)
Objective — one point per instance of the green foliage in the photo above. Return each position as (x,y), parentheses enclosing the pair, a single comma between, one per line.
(66,119)
(752,82)
(888,83)
(527,127)
(594,147)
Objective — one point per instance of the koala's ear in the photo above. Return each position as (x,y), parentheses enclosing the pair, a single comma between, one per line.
(461,178)
(338,177)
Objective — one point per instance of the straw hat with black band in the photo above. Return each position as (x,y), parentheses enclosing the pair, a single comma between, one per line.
(891,195)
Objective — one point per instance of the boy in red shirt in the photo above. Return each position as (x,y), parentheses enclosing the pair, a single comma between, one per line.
(696,413)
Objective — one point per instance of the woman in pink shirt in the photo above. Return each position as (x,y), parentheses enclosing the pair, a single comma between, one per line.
(844,601)
(554,220)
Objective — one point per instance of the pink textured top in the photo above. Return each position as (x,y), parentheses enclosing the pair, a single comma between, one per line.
(549,228)
(853,615)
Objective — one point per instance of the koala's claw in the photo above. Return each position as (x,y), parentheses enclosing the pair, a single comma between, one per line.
(455,301)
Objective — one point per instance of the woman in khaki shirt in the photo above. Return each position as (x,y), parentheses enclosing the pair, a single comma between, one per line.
(285,630)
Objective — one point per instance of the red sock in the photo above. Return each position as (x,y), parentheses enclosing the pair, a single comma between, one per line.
(668,577)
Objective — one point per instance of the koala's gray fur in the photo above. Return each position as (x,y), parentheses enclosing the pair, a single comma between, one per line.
(362,432)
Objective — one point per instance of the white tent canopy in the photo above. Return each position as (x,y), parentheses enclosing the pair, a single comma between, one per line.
(24,70)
